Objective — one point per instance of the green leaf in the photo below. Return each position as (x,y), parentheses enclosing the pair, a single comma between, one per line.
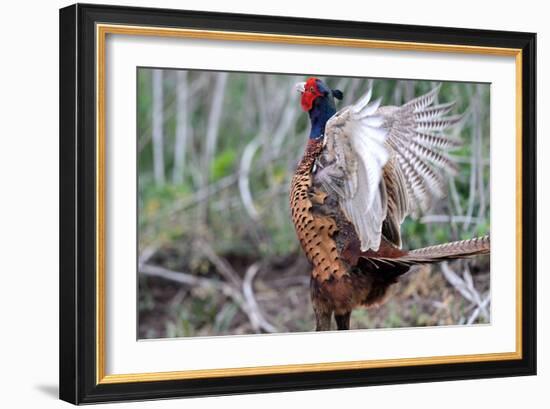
(222,165)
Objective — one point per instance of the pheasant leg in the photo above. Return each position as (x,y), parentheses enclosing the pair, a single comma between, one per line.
(342,321)
(323,320)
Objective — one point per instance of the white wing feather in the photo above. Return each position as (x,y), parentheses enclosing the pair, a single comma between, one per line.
(356,153)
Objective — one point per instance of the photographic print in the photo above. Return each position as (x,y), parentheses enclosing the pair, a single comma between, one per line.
(275,203)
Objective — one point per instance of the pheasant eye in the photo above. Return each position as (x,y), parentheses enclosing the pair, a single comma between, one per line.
(311,89)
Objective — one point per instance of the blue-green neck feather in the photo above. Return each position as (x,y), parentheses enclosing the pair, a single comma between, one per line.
(323,109)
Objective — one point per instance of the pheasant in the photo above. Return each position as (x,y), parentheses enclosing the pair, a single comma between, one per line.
(364,169)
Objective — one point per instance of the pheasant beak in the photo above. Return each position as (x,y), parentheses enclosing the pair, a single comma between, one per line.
(300,87)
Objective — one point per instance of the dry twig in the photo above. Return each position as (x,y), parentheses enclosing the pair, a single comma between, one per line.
(258,320)
(254,316)
(465,286)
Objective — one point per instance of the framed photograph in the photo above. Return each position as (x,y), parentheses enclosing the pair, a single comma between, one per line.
(258,203)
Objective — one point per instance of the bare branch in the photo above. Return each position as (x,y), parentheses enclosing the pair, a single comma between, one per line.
(182,127)
(443,218)
(158,120)
(180,277)
(214,118)
(465,286)
(212,133)
(223,267)
(479,309)
(244,179)
(258,322)
(474,107)
(258,319)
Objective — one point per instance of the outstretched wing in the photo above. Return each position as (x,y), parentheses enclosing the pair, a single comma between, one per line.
(416,138)
(351,167)
(385,162)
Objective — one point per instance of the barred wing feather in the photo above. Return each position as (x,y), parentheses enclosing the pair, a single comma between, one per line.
(416,137)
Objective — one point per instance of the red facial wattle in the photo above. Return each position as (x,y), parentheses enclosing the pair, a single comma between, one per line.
(311,92)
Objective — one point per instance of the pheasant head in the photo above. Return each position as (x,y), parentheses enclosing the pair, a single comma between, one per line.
(318,100)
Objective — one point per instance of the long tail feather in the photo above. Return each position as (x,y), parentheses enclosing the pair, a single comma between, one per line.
(449,251)
(428,255)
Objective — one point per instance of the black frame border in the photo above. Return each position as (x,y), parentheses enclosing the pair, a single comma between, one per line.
(78,212)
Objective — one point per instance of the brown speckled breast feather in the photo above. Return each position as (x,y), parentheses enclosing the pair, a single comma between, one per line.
(315,231)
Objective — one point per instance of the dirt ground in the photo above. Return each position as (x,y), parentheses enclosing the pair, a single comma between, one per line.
(423,297)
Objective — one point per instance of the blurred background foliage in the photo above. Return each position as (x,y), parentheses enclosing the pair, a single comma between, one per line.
(217,250)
